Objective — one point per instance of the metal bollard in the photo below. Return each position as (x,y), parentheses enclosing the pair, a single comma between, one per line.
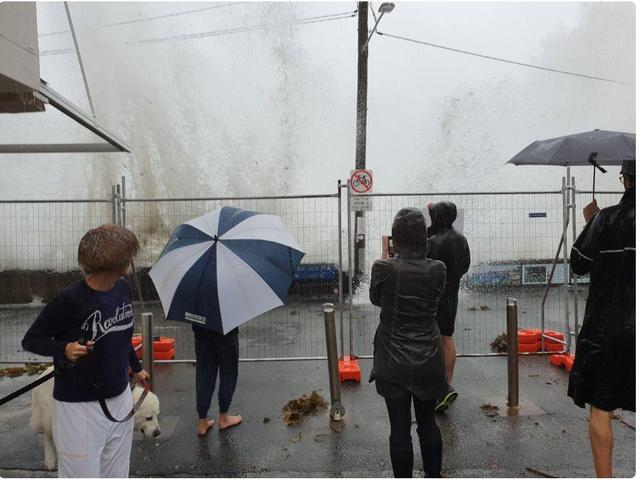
(147,344)
(337,410)
(512,353)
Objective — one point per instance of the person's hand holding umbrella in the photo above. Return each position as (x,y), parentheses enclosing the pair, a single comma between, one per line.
(590,210)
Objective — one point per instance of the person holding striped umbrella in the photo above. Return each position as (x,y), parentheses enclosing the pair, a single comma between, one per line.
(218,271)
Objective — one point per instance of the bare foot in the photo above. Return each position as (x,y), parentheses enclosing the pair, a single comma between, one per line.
(204,425)
(226,421)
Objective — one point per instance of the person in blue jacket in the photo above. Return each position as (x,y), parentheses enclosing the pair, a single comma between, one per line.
(87,329)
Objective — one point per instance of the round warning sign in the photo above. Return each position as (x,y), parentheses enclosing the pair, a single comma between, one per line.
(361,181)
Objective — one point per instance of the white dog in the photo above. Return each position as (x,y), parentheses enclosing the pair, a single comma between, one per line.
(145,419)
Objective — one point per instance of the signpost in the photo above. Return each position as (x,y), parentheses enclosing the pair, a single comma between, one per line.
(360,203)
(361,182)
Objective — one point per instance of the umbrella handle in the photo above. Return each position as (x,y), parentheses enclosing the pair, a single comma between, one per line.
(592,161)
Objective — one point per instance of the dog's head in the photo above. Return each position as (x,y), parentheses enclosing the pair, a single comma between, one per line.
(146,417)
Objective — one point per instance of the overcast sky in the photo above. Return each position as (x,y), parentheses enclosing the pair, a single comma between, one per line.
(272,111)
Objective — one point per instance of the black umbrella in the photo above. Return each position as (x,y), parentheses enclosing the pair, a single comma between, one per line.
(597,148)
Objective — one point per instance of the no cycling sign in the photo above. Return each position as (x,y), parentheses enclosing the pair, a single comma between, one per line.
(361,181)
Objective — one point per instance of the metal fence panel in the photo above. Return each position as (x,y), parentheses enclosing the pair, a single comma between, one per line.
(511,237)
(295,330)
(39,239)
(38,254)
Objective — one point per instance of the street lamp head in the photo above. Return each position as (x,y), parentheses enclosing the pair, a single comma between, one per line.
(386,7)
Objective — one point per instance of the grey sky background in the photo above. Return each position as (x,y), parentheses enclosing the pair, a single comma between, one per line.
(272,111)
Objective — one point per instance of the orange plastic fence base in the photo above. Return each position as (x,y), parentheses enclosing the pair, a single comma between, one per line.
(529,340)
(565,360)
(349,369)
(528,347)
(163,344)
(557,359)
(526,336)
(163,347)
(549,346)
(568,362)
(164,355)
(552,346)
(158,355)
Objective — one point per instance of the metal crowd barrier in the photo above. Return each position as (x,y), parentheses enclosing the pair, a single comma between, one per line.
(512,237)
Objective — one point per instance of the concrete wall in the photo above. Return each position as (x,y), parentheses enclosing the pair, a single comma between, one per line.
(19,54)
(26,286)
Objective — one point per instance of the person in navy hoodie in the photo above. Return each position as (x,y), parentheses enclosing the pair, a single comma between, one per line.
(87,329)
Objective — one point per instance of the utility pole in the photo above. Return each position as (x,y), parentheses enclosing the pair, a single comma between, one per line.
(361,132)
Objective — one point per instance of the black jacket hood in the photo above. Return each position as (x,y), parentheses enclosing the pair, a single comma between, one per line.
(409,233)
(443,215)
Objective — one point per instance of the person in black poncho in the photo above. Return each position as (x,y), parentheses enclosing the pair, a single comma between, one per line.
(604,373)
(408,363)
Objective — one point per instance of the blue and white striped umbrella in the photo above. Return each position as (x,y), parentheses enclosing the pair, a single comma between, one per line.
(225,268)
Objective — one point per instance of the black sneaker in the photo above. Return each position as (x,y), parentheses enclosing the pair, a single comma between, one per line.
(443,404)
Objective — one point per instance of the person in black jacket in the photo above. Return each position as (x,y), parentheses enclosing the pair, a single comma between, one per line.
(407,361)
(448,245)
(604,370)
(97,309)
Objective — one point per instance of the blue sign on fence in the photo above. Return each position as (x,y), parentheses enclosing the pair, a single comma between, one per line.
(533,215)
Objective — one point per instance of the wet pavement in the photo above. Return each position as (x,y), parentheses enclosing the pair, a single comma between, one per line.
(475,445)
(297,329)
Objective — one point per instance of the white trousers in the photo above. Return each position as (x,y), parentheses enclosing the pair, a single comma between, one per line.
(88,444)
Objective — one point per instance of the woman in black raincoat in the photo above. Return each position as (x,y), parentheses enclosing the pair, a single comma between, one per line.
(604,371)
(407,359)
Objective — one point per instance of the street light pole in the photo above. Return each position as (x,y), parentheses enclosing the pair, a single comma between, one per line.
(361,130)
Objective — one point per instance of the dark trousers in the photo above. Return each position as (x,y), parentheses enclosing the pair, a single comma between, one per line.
(215,352)
(400,444)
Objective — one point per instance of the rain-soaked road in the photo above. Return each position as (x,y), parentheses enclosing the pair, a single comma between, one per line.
(475,445)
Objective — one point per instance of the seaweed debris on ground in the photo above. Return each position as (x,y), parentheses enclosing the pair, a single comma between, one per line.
(489,410)
(30,369)
(295,410)
(499,344)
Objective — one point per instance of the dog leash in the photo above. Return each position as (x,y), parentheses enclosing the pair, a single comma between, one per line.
(29,387)
(107,413)
(103,402)
(66,364)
